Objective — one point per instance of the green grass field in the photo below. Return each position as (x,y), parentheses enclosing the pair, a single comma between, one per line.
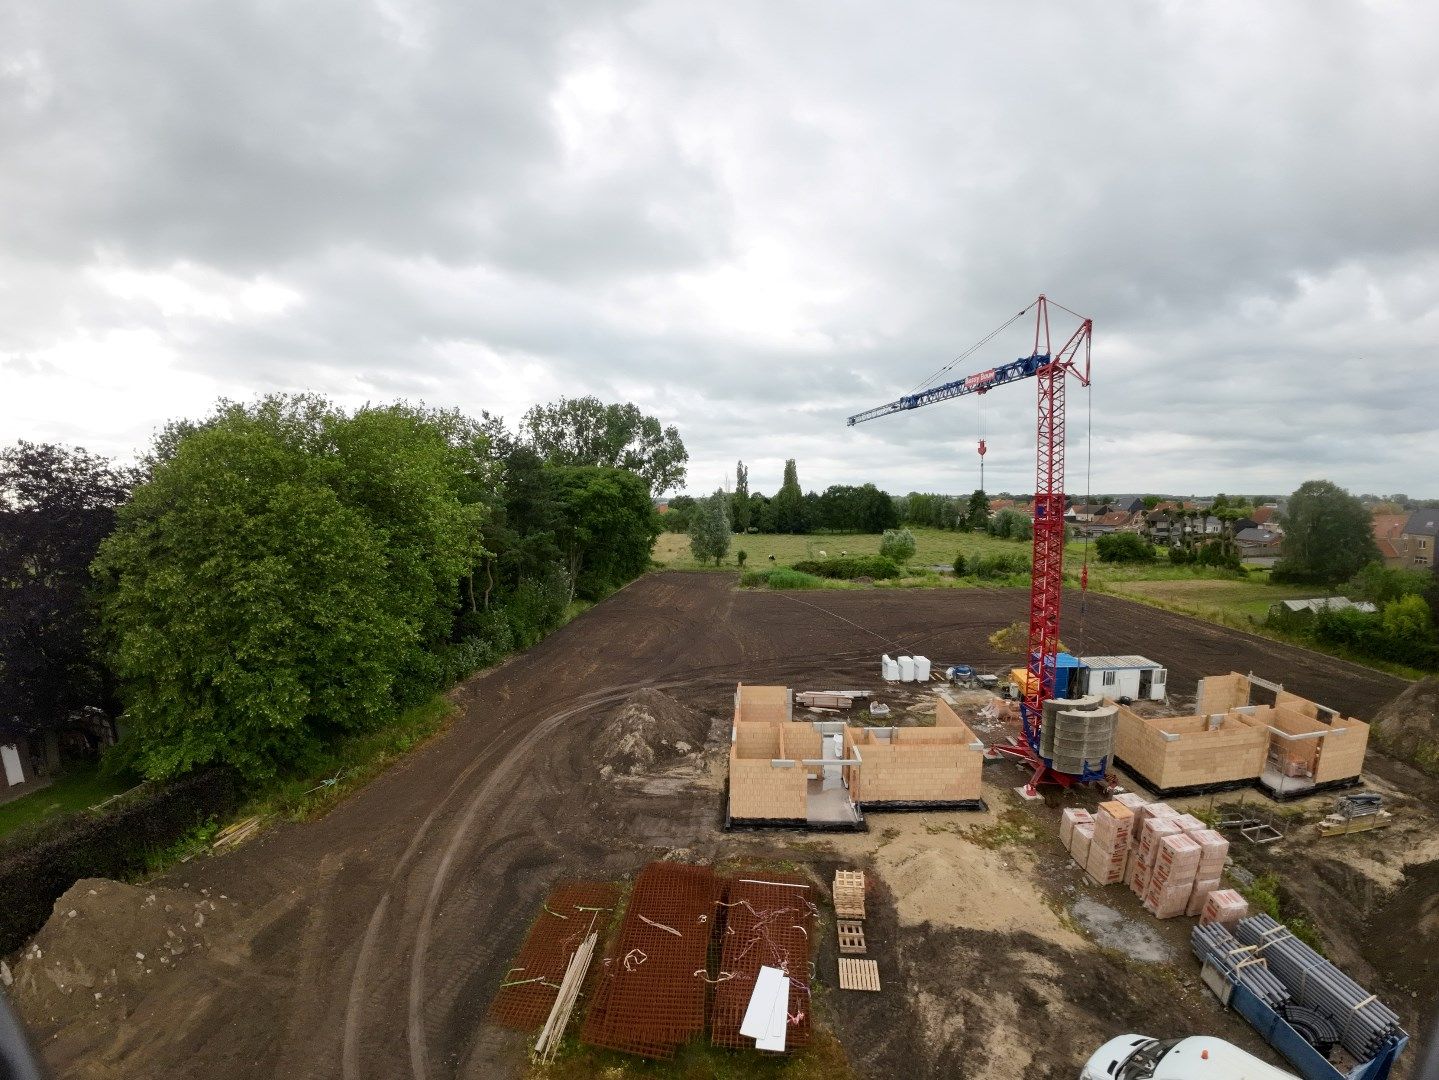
(1205,593)
(76,790)
(934,547)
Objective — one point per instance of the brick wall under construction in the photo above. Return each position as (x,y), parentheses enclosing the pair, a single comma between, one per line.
(915,765)
(760,790)
(1231,740)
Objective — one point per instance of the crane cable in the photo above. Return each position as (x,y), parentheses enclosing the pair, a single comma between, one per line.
(1088,463)
(973,348)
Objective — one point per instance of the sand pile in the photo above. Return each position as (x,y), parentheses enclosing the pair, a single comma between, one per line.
(650,730)
(1408,727)
(105,944)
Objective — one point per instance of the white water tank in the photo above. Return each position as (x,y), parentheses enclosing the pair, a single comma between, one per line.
(888,669)
(906,669)
(921,669)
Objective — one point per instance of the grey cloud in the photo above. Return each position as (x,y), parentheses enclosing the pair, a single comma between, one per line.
(776,216)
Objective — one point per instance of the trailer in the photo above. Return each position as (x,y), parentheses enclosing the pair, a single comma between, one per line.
(1135,677)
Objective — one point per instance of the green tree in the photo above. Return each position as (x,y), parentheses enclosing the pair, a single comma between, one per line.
(586,431)
(1407,618)
(710,529)
(1124,547)
(281,577)
(788,503)
(1328,535)
(977,516)
(898,545)
(741,508)
(609,526)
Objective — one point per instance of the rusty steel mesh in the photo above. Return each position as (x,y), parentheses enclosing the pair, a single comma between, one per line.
(570,912)
(650,999)
(767,921)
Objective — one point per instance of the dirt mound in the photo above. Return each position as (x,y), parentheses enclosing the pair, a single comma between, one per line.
(105,944)
(649,730)
(1408,727)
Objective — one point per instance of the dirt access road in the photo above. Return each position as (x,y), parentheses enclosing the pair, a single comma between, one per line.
(368,943)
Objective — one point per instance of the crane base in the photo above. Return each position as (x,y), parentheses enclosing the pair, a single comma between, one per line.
(1041,773)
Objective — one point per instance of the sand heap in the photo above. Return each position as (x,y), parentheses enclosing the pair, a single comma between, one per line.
(649,730)
(103,946)
(1408,727)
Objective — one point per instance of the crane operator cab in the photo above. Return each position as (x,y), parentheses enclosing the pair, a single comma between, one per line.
(1199,1057)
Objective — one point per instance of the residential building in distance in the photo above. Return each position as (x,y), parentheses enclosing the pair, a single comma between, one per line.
(1419,536)
(1389,538)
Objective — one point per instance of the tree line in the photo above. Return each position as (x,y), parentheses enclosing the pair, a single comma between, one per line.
(282,572)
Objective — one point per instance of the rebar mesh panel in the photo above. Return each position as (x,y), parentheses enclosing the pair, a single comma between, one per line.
(528,992)
(766,923)
(650,999)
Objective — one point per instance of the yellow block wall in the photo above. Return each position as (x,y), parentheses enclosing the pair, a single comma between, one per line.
(1342,755)
(1235,752)
(916,771)
(757,741)
(762,704)
(1220,693)
(759,790)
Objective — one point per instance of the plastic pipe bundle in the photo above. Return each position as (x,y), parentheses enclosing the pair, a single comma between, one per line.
(1365,1023)
(1237,962)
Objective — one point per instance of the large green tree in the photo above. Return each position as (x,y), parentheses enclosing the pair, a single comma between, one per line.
(608,527)
(586,431)
(710,529)
(740,512)
(1328,534)
(56,506)
(788,503)
(977,514)
(283,575)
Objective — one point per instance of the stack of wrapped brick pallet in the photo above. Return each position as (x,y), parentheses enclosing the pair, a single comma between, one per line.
(1213,851)
(1171,879)
(1154,828)
(1223,906)
(1109,847)
(1081,831)
(1071,817)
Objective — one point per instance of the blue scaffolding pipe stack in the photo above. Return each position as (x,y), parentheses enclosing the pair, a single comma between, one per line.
(1238,963)
(1365,1024)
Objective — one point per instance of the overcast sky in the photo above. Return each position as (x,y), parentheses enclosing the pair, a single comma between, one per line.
(751,218)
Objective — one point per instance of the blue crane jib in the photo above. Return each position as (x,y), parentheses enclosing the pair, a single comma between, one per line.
(978,383)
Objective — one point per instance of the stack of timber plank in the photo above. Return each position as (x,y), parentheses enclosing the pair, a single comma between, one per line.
(1237,962)
(1365,1024)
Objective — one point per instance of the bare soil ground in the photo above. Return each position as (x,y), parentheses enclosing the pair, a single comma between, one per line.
(368,943)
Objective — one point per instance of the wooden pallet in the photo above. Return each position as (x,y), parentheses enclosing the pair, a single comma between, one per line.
(858,974)
(851,935)
(849,894)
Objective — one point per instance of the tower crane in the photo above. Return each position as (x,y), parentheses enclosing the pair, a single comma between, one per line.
(1050,369)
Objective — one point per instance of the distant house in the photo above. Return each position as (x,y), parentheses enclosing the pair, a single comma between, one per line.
(1420,533)
(1265,515)
(1257,546)
(1389,538)
(1110,522)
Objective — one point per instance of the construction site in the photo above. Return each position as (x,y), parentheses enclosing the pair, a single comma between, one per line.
(845,833)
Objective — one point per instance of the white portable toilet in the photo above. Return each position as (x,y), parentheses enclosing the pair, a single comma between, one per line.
(906,669)
(921,669)
(888,669)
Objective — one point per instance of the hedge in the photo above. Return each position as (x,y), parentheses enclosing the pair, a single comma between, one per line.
(851,566)
(38,865)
